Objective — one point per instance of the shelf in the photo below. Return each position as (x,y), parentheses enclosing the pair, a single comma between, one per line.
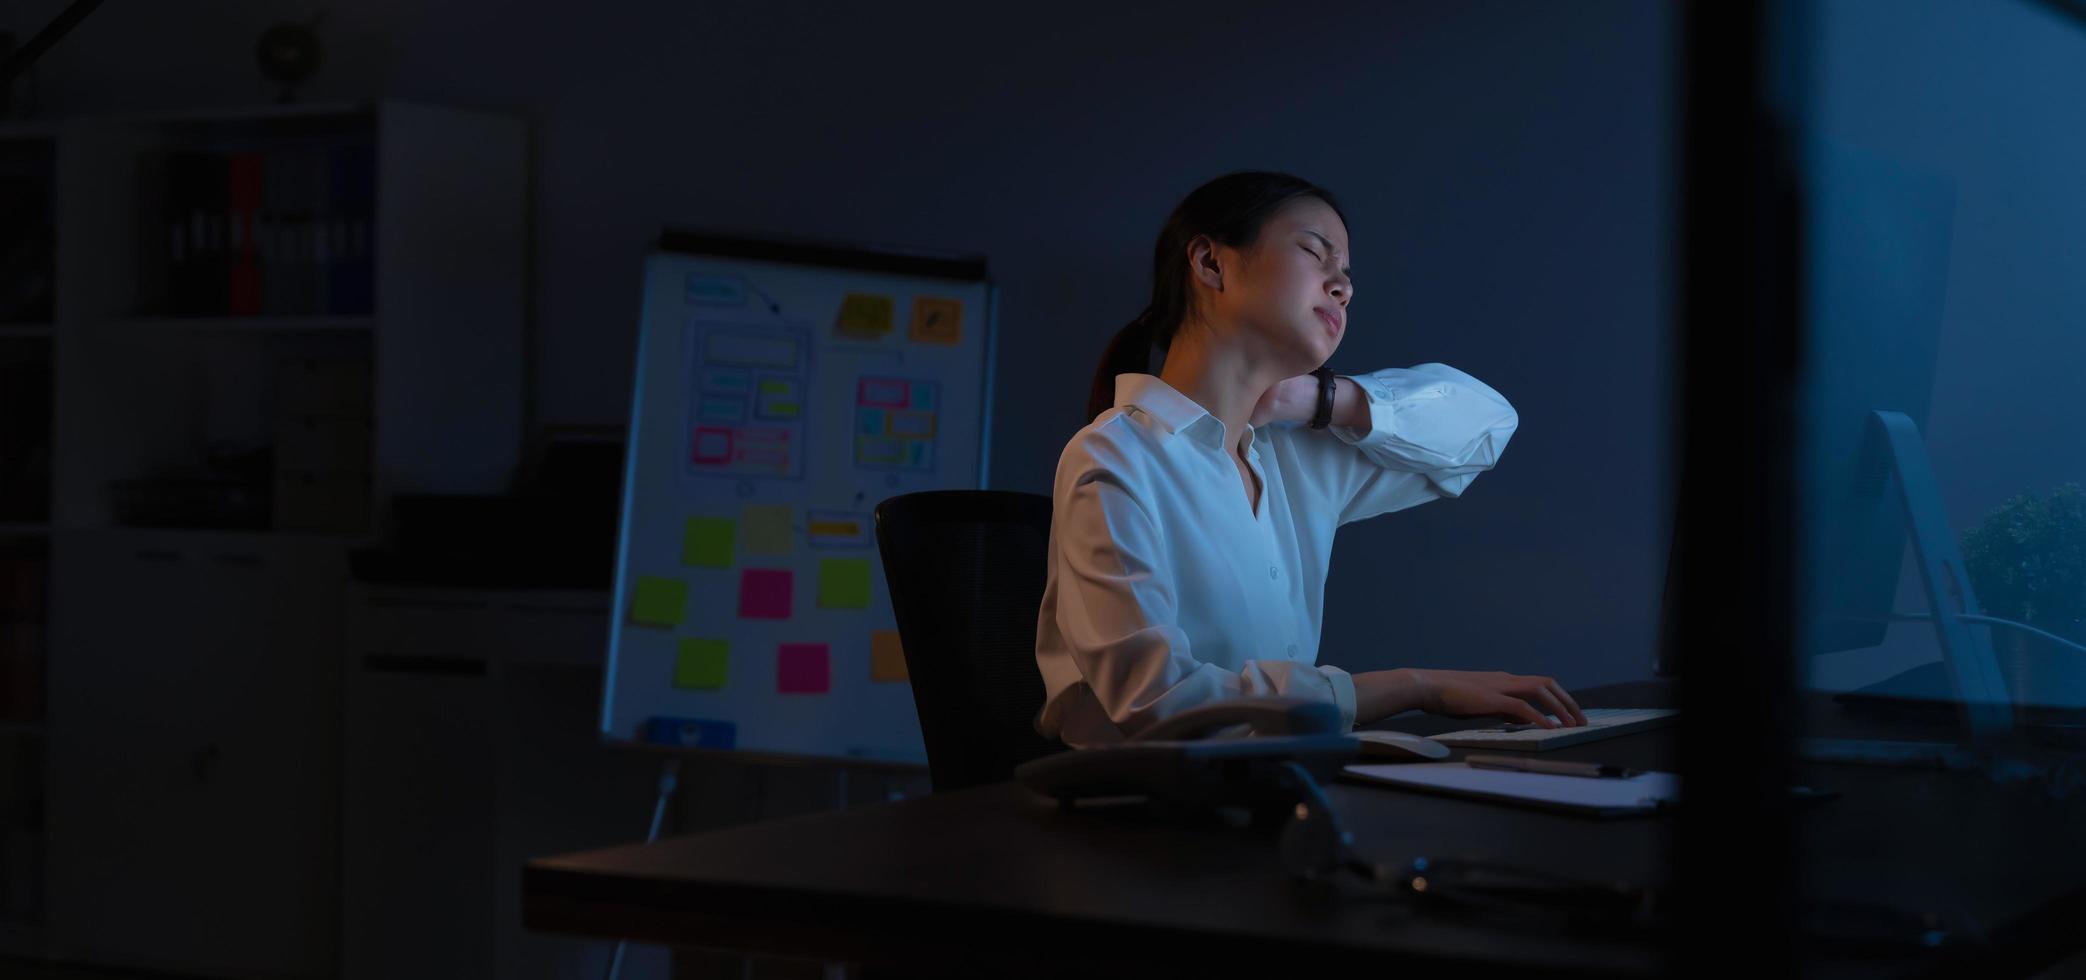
(251,324)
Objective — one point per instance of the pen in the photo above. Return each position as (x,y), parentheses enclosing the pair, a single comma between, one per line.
(1593,769)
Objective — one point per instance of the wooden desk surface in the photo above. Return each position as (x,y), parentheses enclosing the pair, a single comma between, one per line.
(998,881)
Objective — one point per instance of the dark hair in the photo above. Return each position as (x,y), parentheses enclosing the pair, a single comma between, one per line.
(1231,210)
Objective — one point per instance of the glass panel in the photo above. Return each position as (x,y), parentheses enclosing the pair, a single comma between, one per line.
(1941,450)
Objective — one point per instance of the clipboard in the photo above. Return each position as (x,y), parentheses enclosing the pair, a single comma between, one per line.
(1644,793)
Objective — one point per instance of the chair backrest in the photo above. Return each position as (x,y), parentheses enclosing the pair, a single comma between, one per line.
(966,570)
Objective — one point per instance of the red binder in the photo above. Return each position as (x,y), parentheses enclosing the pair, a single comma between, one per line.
(244,204)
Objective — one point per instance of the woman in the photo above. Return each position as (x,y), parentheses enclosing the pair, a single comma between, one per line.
(1193,518)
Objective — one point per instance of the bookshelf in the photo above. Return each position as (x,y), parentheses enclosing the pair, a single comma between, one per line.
(263,323)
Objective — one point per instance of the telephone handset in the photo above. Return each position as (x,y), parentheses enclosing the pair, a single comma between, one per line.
(1178,764)
(1265,715)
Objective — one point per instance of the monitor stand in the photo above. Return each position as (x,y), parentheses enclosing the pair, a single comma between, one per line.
(1971,687)
(1922,694)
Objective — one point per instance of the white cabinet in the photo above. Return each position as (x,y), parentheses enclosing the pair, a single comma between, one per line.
(193,794)
(471,746)
(193,724)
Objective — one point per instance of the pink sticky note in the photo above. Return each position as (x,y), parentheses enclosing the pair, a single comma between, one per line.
(802,668)
(764,593)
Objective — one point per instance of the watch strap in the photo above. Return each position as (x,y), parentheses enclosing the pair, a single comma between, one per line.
(1327,387)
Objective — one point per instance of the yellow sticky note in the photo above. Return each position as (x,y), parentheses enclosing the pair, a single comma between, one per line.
(659,601)
(707,542)
(700,663)
(886,657)
(864,316)
(843,583)
(936,321)
(768,529)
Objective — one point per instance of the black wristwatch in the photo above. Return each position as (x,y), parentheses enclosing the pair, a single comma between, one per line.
(1326,389)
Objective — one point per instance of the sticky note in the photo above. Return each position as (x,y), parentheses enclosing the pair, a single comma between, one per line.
(864,316)
(843,583)
(764,593)
(802,668)
(936,321)
(700,663)
(706,542)
(768,529)
(659,601)
(886,657)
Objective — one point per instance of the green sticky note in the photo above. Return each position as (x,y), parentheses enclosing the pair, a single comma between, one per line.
(700,663)
(659,601)
(843,583)
(768,529)
(707,542)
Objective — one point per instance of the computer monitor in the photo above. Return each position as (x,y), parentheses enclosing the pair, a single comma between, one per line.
(1875,269)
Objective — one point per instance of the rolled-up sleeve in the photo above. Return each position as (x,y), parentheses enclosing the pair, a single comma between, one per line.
(1118,613)
(1432,430)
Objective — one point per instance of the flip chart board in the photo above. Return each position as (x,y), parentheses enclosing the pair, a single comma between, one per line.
(781,392)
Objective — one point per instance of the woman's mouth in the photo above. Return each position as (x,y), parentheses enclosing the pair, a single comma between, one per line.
(1332,320)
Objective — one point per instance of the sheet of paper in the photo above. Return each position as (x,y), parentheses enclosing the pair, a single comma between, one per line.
(768,529)
(699,664)
(936,321)
(706,542)
(864,316)
(887,657)
(1642,792)
(764,593)
(843,583)
(803,668)
(659,601)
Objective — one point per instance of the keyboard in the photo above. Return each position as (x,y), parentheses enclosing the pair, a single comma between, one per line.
(1600,723)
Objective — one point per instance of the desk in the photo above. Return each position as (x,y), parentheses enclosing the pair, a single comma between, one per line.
(996,881)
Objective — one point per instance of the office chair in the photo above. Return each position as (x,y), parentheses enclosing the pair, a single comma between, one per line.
(966,570)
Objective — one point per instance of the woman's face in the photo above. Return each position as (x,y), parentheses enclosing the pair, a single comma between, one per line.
(1291,293)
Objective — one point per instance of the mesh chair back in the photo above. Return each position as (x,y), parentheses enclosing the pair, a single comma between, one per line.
(966,570)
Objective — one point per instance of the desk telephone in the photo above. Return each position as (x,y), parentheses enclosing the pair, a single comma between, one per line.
(1197,761)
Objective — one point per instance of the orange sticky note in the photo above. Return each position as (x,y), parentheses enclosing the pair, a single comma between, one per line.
(886,657)
(936,321)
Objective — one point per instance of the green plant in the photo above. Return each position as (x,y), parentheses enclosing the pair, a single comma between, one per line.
(2027,561)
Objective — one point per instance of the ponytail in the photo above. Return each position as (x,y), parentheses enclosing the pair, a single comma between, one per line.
(1129,353)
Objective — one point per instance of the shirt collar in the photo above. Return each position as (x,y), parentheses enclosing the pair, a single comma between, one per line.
(1178,413)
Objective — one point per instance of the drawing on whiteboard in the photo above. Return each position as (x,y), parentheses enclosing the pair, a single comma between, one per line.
(746,403)
(837,528)
(709,290)
(895,423)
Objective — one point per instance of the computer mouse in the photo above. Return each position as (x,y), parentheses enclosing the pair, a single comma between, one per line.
(1399,745)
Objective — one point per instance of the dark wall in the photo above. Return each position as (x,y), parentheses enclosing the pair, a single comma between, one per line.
(1504,166)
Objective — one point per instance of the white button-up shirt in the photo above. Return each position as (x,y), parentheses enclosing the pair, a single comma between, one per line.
(1167,591)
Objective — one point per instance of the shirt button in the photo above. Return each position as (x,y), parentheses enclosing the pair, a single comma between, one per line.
(1272,573)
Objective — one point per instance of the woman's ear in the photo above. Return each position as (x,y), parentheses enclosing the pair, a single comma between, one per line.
(1205,264)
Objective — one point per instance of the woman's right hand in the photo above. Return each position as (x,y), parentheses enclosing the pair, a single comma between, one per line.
(1473,693)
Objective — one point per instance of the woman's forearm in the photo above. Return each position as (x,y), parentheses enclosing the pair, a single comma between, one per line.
(1379,694)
